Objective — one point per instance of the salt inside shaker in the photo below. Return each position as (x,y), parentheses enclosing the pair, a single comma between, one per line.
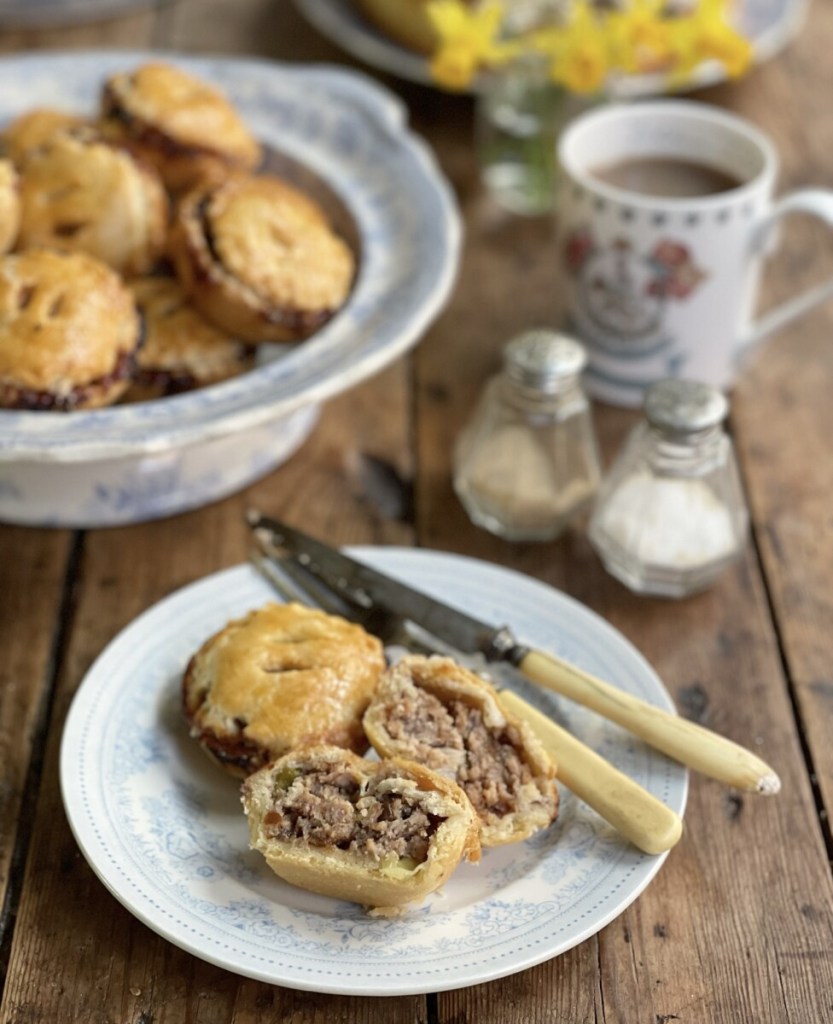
(670,516)
(527,463)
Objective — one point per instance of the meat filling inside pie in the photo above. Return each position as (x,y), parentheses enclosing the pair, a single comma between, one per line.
(434,711)
(380,833)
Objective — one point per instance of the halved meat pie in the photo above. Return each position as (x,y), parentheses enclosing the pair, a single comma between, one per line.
(380,833)
(434,711)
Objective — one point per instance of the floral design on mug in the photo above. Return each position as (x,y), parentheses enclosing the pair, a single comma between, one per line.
(677,273)
(624,292)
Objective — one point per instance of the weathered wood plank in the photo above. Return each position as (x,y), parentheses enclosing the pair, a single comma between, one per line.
(783,416)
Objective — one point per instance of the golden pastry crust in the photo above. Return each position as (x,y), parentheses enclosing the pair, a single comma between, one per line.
(186,127)
(181,349)
(436,712)
(33,129)
(79,193)
(68,332)
(383,834)
(281,676)
(260,259)
(9,205)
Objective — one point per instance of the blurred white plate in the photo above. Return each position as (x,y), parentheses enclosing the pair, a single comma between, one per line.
(164,830)
(769,24)
(346,138)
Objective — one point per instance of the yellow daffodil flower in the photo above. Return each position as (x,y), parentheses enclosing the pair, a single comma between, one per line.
(639,37)
(589,44)
(468,40)
(705,34)
(578,50)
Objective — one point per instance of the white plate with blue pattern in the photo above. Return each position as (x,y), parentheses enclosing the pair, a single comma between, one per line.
(164,830)
(768,24)
(346,141)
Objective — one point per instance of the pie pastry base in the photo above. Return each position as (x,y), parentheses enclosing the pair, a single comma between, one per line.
(383,883)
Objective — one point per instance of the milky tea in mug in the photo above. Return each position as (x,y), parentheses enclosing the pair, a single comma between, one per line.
(665,208)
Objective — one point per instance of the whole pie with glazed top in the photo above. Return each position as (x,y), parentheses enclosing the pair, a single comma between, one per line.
(187,128)
(260,259)
(281,676)
(69,331)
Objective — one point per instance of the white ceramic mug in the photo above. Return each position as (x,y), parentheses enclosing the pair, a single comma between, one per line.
(661,287)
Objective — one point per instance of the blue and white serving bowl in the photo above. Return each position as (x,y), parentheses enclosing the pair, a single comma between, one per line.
(327,126)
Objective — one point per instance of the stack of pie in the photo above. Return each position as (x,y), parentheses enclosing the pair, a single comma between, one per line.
(142,253)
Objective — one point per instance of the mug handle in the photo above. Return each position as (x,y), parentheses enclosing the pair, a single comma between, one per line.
(819,203)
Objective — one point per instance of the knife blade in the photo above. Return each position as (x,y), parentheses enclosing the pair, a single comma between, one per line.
(684,741)
(355,582)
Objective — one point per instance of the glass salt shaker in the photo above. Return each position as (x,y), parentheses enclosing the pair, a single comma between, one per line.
(527,463)
(670,516)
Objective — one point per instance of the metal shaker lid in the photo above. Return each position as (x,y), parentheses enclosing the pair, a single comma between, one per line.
(543,359)
(684,406)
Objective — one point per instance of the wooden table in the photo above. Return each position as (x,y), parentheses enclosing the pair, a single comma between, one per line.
(738,925)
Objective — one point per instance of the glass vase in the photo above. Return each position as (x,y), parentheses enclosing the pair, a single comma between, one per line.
(520,113)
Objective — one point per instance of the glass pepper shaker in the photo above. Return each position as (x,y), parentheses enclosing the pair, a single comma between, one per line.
(670,516)
(527,463)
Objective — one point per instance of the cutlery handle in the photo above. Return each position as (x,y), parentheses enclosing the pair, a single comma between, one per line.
(631,810)
(684,741)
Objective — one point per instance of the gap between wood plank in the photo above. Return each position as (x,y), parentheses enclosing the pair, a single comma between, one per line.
(822,811)
(34,772)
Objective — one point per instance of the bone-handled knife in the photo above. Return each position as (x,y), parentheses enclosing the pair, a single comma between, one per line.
(623,803)
(684,741)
